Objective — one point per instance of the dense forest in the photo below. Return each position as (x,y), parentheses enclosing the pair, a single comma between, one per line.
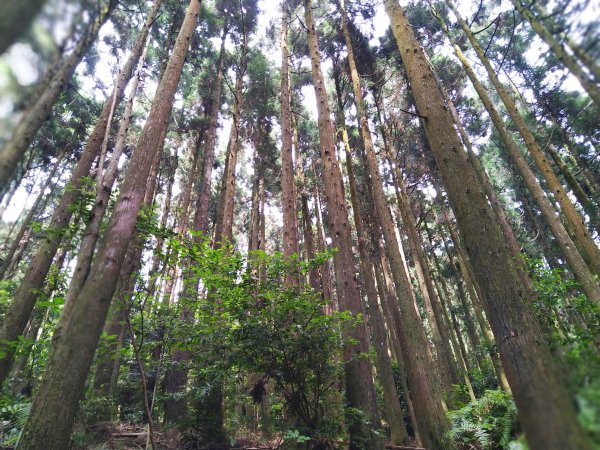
(300,224)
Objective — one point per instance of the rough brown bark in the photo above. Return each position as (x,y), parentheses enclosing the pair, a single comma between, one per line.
(54,408)
(224,222)
(432,422)
(391,402)
(360,390)
(203,199)
(545,409)
(106,181)
(288,186)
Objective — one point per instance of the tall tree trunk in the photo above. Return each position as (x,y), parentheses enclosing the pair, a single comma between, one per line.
(54,408)
(204,194)
(573,257)
(580,234)
(307,228)
(546,410)
(210,410)
(288,186)
(25,297)
(224,222)
(391,402)
(107,180)
(433,424)
(107,370)
(360,390)
(13,150)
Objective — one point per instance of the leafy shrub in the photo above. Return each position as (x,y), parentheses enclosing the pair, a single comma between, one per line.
(487,423)
(12,420)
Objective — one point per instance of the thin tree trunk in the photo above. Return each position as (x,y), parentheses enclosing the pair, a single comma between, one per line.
(224,222)
(391,402)
(360,390)
(288,186)
(106,182)
(14,149)
(432,421)
(54,408)
(204,195)
(545,408)
(25,225)
(431,298)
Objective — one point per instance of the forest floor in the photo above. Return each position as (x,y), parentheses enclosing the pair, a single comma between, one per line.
(131,436)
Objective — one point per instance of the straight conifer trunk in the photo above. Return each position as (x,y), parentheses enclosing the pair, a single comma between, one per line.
(545,408)
(391,401)
(574,259)
(288,187)
(106,180)
(360,390)
(54,408)
(570,61)
(420,369)
(26,223)
(205,182)
(224,222)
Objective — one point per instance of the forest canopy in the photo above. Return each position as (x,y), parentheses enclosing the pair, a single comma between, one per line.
(334,224)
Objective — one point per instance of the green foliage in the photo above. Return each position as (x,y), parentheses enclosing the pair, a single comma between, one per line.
(250,320)
(572,324)
(487,423)
(295,436)
(12,420)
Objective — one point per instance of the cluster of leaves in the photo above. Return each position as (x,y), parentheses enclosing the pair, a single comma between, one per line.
(251,320)
(13,415)
(489,422)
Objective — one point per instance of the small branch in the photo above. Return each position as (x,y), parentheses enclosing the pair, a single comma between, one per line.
(413,113)
(140,365)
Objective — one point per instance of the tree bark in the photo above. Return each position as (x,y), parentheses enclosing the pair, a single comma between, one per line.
(546,410)
(573,257)
(569,61)
(203,199)
(288,186)
(107,180)
(26,223)
(391,402)
(25,297)
(579,234)
(432,422)
(54,408)
(360,390)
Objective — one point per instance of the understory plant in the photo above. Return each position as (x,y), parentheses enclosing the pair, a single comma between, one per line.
(489,422)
